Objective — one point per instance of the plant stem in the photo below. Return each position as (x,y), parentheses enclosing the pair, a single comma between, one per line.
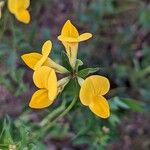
(50,116)
(53,122)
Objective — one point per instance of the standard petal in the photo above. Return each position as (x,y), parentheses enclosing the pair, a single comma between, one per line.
(12,6)
(69,30)
(40,99)
(100,85)
(31,59)
(41,76)
(40,62)
(84,36)
(45,52)
(100,107)
(86,93)
(52,85)
(46,49)
(67,39)
(23,16)
(23,3)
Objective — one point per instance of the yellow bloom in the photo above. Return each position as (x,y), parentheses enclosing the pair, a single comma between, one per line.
(70,38)
(91,95)
(45,79)
(19,9)
(36,60)
(70,34)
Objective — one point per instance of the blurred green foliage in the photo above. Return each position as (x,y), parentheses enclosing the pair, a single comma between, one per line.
(120,49)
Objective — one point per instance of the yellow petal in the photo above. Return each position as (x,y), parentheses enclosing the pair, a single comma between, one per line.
(67,39)
(86,95)
(40,99)
(46,49)
(100,107)
(92,86)
(69,30)
(100,84)
(52,85)
(12,6)
(23,15)
(41,76)
(40,62)
(23,3)
(31,59)
(84,36)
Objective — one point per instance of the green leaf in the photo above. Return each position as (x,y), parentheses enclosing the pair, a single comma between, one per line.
(114,119)
(116,102)
(5,136)
(71,89)
(85,72)
(134,104)
(82,140)
(65,61)
(145,18)
(126,103)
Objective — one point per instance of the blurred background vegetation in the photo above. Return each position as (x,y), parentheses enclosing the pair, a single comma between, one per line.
(120,47)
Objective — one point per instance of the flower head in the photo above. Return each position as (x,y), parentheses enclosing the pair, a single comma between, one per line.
(70,34)
(70,38)
(19,9)
(36,60)
(91,94)
(45,79)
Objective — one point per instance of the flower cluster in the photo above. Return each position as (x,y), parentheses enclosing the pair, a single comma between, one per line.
(93,88)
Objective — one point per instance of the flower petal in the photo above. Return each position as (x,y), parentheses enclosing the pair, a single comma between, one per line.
(67,39)
(23,15)
(86,93)
(31,59)
(84,37)
(12,6)
(41,76)
(40,62)
(100,85)
(69,30)
(40,99)
(46,48)
(100,107)
(23,3)
(52,85)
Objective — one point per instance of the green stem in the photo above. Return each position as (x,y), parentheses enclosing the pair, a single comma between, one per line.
(53,122)
(67,109)
(14,41)
(145,71)
(51,115)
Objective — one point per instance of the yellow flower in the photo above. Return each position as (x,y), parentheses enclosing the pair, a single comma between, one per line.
(45,79)
(91,94)
(36,60)
(1,6)
(19,9)
(70,34)
(70,38)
